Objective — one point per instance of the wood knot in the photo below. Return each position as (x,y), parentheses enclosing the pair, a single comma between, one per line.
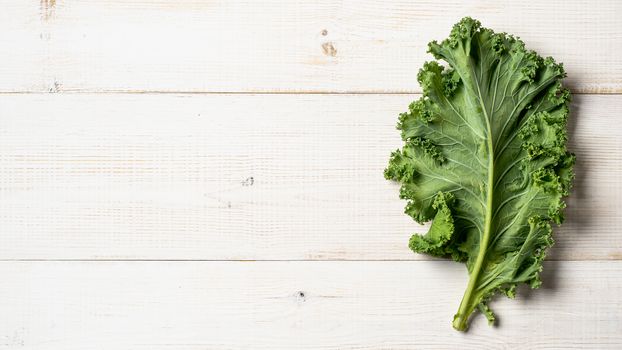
(249,181)
(329,49)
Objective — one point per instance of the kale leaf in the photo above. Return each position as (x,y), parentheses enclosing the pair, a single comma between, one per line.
(485,159)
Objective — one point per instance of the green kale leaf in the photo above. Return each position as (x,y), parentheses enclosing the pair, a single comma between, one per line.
(485,159)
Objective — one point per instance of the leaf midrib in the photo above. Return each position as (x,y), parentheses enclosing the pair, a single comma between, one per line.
(463,312)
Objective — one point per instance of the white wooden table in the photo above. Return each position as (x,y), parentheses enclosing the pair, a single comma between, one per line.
(202,174)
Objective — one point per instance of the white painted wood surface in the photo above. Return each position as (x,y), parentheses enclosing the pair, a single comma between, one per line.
(296,305)
(281,45)
(153,147)
(245,177)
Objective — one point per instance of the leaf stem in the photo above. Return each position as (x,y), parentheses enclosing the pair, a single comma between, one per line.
(466,305)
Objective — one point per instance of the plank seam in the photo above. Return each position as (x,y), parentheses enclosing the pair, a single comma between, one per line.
(182,92)
(264,260)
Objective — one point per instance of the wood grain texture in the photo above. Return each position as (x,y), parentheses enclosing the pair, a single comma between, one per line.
(282,46)
(296,305)
(267,177)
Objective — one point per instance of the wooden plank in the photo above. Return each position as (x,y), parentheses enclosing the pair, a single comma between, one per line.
(130,176)
(279,45)
(23,47)
(296,305)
